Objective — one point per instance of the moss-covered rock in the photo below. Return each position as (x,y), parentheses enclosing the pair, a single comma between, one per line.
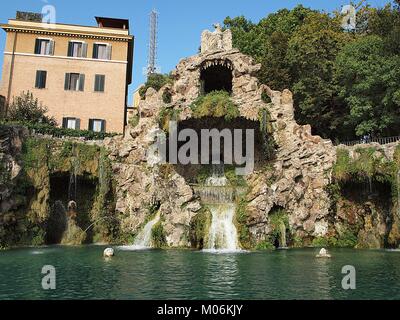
(199,229)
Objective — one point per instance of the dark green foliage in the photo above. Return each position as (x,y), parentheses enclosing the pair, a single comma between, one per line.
(242,224)
(158,235)
(345,84)
(57,132)
(199,228)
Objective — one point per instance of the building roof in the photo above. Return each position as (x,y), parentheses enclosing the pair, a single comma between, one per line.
(115,23)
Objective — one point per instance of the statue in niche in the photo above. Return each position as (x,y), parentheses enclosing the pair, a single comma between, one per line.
(216,41)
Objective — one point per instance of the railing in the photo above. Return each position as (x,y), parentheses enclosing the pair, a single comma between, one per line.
(384,140)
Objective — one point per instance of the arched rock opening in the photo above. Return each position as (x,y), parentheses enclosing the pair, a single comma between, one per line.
(64,187)
(216,76)
(191,171)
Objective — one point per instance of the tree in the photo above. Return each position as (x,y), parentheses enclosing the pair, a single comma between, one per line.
(311,56)
(369,84)
(26,108)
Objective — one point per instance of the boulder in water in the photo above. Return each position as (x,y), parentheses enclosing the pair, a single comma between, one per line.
(323,254)
(108,253)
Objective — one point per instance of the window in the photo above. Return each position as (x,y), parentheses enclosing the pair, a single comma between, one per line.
(41,77)
(97,125)
(102,51)
(71,123)
(99,83)
(74,82)
(77,49)
(44,47)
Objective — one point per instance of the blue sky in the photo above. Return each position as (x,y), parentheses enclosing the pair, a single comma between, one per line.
(180,21)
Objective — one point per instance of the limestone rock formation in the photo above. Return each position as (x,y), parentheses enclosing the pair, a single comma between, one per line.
(301,170)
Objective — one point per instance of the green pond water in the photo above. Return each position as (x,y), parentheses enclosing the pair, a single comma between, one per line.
(82,273)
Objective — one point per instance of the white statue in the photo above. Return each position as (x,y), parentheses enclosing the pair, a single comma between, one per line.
(217,40)
(323,254)
(108,253)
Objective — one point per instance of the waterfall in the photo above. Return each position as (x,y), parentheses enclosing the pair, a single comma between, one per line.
(217,178)
(219,198)
(223,233)
(282,229)
(73,178)
(143,239)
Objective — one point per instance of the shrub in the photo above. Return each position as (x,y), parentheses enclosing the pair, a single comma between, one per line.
(265,245)
(166,115)
(216,104)
(47,129)
(158,235)
(26,108)
(155,81)
(134,121)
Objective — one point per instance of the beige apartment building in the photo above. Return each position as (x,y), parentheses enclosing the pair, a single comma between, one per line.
(81,74)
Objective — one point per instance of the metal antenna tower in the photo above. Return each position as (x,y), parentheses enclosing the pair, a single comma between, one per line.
(152,58)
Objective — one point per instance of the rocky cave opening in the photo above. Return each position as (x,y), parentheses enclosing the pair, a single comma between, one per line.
(216,76)
(66,187)
(372,199)
(262,156)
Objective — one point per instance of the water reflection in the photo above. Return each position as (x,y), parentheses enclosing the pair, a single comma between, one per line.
(221,276)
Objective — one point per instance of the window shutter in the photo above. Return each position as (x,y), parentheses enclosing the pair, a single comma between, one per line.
(43,78)
(90,124)
(70,49)
(65,123)
(109,50)
(102,82)
(99,83)
(84,50)
(81,82)
(95,51)
(51,47)
(103,125)
(77,124)
(96,83)
(37,83)
(67,81)
(37,46)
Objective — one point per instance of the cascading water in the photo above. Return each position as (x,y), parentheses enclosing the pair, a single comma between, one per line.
(223,233)
(143,240)
(219,197)
(282,231)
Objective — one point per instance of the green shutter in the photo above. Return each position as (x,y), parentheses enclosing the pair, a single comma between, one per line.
(102,82)
(103,125)
(70,49)
(37,83)
(96,83)
(81,82)
(65,123)
(43,79)
(99,83)
(95,51)
(67,81)
(37,46)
